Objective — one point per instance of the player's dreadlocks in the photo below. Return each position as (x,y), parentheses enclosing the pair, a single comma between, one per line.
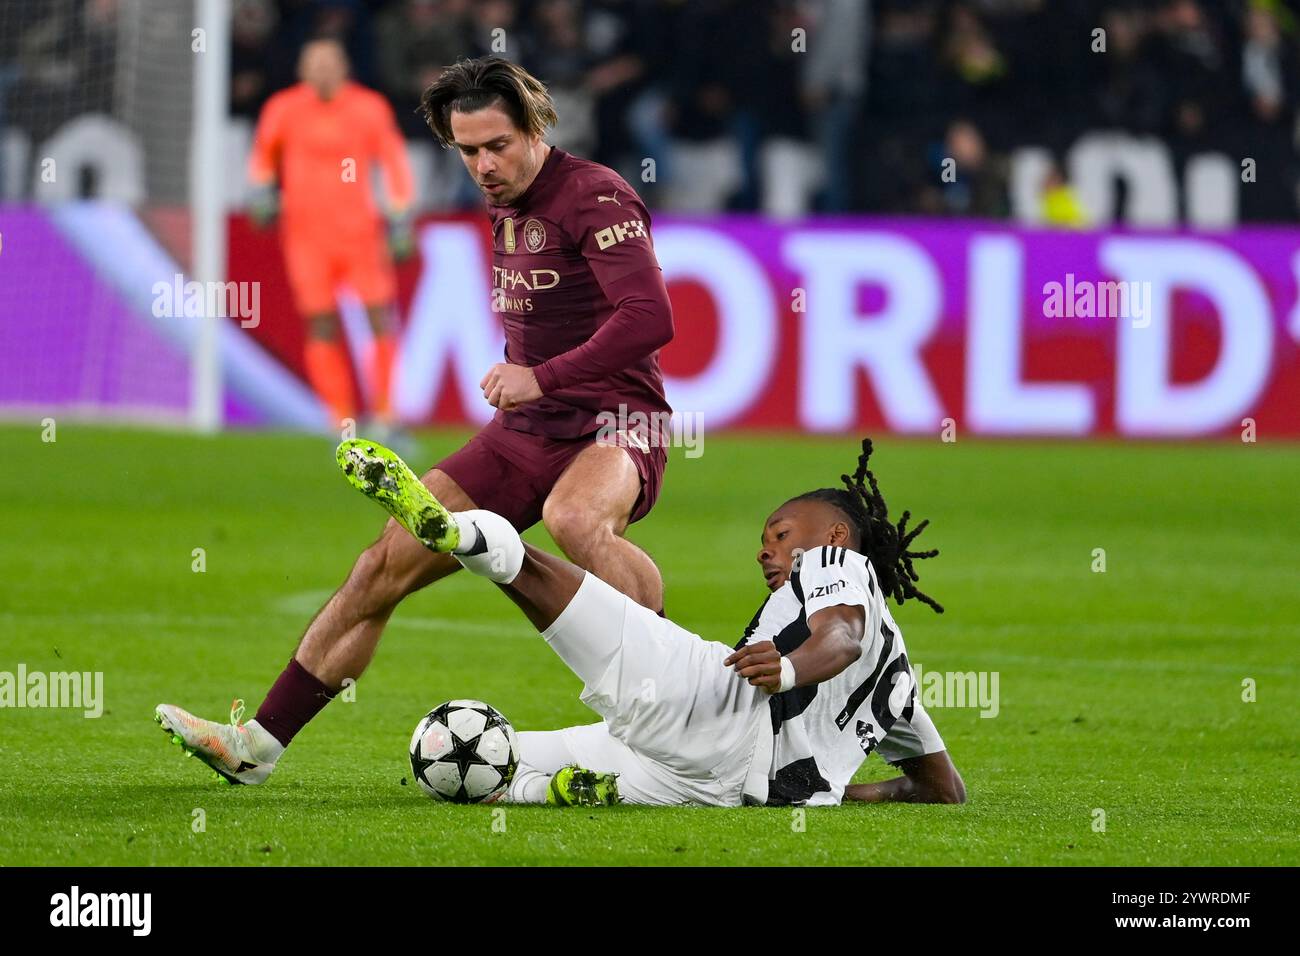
(879,539)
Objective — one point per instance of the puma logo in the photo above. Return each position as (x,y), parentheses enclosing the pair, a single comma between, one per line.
(612,197)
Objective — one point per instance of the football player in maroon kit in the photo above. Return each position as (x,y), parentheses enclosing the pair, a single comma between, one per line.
(585,310)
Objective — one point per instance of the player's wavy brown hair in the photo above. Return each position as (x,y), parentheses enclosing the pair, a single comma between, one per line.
(468,86)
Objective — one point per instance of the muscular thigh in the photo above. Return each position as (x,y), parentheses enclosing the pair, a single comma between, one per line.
(602,482)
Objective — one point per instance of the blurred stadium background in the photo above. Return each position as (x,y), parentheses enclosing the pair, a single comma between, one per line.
(860,205)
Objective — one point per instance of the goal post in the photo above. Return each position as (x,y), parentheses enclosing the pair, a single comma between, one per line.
(114,185)
(211,44)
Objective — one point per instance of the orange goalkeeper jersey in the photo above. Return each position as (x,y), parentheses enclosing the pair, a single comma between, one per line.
(322,153)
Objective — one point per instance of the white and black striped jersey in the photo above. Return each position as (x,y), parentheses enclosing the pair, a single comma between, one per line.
(824,732)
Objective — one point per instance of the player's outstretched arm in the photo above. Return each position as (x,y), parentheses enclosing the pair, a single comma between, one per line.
(834,642)
(928,779)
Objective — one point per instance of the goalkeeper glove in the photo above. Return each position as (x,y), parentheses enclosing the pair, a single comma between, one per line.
(401,237)
(264,205)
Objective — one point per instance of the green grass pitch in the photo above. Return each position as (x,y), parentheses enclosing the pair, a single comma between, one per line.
(1120,691)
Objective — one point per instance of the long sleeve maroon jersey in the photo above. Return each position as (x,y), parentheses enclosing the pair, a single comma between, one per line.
(582,298)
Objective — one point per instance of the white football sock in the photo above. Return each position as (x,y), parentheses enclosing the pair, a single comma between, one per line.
(489,545)
(264,746)
(528,785)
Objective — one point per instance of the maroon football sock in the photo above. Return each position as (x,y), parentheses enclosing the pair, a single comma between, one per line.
(293,700)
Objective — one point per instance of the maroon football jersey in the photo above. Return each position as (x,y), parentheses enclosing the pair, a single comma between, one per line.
(582,298)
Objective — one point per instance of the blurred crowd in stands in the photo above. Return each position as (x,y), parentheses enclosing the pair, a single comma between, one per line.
(793,106)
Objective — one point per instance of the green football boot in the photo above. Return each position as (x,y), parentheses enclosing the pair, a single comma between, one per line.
(379,474)
(572,786)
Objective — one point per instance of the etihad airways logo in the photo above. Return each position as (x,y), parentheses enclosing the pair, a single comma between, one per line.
(531,280)
(633,228)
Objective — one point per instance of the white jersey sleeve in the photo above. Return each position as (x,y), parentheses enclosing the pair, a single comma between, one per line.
(829,576)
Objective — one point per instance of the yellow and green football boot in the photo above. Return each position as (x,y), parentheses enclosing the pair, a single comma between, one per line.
(572,786)
(379,474)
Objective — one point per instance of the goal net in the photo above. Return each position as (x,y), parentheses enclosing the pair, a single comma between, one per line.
(104,209)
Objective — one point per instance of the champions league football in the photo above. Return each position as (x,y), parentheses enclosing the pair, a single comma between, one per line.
(464,751)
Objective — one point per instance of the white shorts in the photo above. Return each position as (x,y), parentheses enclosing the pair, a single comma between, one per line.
(678,726)
(911,738)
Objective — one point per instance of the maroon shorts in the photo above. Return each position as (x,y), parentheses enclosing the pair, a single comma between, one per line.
(512,472)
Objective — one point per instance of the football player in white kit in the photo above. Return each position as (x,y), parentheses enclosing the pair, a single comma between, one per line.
(819,681)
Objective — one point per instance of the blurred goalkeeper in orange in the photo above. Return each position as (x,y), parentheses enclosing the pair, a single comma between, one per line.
(312,165)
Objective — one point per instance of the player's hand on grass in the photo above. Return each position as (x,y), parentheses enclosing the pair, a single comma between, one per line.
(507,386)
(264,205)
(759,663)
